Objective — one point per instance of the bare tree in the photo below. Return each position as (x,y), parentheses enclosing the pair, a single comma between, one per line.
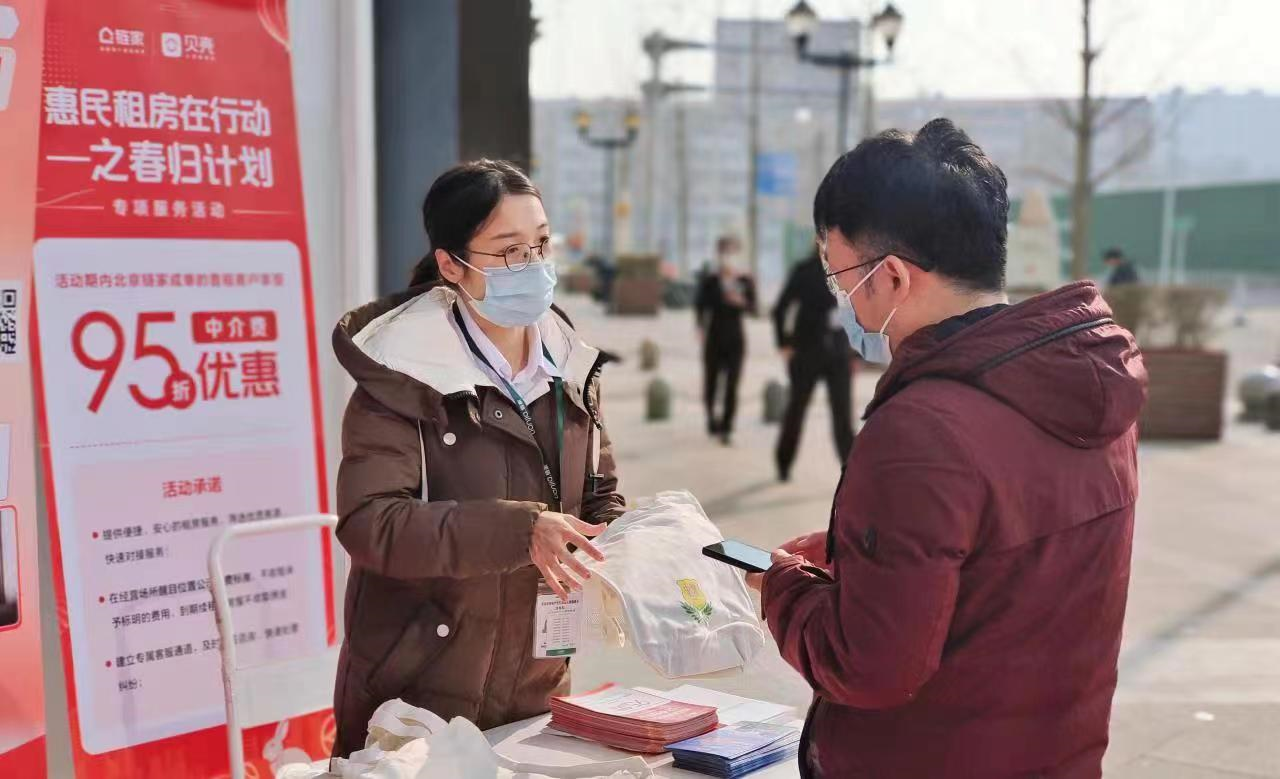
(1086,120)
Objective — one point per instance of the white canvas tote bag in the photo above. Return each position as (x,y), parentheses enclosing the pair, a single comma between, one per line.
(684,613)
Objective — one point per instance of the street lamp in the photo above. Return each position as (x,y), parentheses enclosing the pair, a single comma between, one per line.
(802,21)
(610,145)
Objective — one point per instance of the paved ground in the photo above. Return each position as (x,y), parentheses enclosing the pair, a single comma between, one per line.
(1200,675)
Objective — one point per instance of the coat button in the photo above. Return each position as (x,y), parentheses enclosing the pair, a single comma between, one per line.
(497,413)
(442,631)
(450,439)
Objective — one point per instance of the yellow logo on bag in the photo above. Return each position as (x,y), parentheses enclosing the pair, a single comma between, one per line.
(695,601)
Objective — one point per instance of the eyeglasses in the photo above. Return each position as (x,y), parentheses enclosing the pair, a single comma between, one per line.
(519,256)
(831,280)
(831,276)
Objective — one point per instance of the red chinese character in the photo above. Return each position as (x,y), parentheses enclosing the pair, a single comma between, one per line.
(215,484)
(170,490)
(259,374)
(215,373)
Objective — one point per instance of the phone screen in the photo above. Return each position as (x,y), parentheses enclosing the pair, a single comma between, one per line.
(736,553)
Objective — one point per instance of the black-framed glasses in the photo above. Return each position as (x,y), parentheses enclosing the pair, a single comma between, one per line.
(831,281)
(519,256)
(831,275)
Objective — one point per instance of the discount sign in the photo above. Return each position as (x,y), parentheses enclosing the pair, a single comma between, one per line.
(176,373)
(222,374)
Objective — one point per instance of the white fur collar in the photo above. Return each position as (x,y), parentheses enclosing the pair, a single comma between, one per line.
(418,340)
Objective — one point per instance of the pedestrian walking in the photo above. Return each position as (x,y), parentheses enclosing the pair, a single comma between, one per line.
(814,348)
(724,298)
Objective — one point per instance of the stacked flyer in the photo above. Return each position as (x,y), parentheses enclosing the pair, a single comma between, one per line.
(737,750)
(630,720)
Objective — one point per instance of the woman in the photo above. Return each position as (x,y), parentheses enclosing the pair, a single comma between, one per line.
(474,459)
(723,297)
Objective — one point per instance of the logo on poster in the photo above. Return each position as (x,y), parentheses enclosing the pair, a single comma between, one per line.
(124,41)
(171,44)
(179,46)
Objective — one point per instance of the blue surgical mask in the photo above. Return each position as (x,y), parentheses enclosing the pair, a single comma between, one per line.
(874,347)
(514,298)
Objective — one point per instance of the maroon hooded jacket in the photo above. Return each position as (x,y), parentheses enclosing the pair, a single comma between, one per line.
(980,540)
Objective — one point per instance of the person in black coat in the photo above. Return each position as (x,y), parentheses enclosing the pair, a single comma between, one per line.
(723,299)
(1123,271)
(815,348)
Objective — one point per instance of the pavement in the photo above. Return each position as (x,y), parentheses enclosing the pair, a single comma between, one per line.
(1199,694)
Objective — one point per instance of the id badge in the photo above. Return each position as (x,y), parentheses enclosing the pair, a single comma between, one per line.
(557,624)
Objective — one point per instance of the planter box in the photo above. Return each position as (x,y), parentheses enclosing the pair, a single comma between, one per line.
(578,282)
(637,296)
(1187,393)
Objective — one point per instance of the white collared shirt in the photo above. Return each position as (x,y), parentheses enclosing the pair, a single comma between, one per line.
(532,382)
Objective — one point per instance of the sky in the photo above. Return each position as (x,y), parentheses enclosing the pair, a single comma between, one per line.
(957,48)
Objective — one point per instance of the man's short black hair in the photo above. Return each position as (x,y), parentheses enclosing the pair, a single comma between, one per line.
(933,197)
(1113,253)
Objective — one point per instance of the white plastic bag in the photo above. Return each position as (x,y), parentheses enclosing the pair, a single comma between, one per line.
(686,614)
(406,742)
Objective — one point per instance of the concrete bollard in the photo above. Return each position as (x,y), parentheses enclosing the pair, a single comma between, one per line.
(1253,390)
(648,355)
(657,401)
(1272,415)
(775,401)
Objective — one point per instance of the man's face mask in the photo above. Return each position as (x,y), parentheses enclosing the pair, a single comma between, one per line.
(873,346)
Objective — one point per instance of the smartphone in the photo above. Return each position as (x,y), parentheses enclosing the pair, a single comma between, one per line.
(748,558)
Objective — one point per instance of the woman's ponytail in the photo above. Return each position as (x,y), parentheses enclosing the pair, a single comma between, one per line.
(427,271)
(459,204)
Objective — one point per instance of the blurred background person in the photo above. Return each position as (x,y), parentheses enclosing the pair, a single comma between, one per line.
(723,298)
(815,349)
(1123,271)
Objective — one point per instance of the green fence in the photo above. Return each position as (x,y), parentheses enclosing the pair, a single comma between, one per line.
(1232,229)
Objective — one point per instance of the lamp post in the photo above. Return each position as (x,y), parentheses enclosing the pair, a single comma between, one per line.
(802,21)
(610,145)
(656,45)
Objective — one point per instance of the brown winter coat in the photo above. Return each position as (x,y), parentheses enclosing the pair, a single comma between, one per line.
(440,600)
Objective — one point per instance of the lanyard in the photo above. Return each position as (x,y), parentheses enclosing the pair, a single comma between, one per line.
(551,476)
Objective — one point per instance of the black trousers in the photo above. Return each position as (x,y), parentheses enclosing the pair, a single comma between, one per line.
(721,367)
(834,367)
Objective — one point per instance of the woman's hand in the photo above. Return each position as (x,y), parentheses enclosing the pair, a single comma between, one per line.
(552,535)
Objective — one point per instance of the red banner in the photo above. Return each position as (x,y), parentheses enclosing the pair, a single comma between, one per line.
(22,743)
(176,374)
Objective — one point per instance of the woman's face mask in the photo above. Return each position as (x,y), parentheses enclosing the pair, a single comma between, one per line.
(514,298)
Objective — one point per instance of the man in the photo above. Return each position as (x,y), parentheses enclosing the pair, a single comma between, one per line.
(814,347)
(722,300)
(1122,268)
(962,615)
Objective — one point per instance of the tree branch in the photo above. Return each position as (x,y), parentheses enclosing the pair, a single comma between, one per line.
(1124,107)
(1053,177)
(1060,111)
(1134,152)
